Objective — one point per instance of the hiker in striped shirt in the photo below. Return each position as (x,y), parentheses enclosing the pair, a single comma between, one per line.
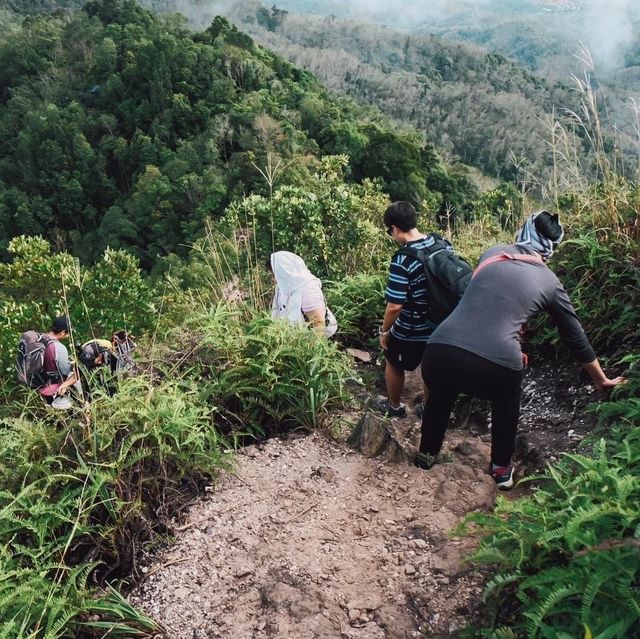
(406,326)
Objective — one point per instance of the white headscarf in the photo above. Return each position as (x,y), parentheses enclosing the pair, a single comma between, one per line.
(293,278)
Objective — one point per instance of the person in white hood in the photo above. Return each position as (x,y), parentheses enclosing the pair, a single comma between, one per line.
(298,296)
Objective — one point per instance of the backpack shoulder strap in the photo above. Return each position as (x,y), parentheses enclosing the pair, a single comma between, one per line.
(422,253)
(407,250)
(49,365)
(515,257)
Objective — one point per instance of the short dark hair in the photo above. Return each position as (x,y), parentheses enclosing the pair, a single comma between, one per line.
(268,264)
(60,324)
(401,215)
(547,224)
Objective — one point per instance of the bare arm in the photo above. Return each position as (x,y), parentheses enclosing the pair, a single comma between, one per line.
(316,319)
(70,381)
(391,313)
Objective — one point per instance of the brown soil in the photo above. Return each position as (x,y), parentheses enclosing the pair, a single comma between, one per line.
(310,539)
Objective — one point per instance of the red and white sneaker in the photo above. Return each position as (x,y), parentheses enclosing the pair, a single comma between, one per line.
(503,476)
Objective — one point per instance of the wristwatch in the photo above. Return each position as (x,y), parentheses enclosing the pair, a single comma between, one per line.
(383,333)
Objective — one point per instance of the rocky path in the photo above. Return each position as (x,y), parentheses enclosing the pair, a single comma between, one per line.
(310,539)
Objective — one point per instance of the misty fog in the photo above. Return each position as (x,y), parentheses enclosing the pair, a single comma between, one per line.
(605,27)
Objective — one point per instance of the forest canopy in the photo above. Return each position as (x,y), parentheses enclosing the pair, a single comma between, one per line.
(125,129)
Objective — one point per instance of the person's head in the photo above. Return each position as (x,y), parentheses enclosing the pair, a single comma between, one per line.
(547,225)
(289,270)
(60,327)
(542,232)
(95,353)
(400,217)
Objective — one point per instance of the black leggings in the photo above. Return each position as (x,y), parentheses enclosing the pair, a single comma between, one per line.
(448,371)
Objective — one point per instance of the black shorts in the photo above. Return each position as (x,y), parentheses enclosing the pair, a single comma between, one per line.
(404,354)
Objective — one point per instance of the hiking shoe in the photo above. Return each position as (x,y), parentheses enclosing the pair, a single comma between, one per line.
(503,476)
(424,460)
(384,406)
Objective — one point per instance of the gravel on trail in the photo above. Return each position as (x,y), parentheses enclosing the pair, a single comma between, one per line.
(308,538)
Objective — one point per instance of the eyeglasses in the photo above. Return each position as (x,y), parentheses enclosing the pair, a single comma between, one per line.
(390,230)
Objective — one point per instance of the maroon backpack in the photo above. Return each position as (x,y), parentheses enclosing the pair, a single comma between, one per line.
(30,359)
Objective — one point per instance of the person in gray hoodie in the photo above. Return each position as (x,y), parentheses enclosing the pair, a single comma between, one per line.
(477,350)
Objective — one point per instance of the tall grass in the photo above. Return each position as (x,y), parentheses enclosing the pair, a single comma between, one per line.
(602,275)
(358,302)
(268,376)
(77,500)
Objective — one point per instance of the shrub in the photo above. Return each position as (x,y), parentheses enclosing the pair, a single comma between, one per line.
(336,227)
(502,204)
(358,303)
(603,280)
(266,376)
(568,554)
(37,285)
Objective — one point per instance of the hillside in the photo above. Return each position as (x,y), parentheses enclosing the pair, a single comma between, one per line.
(542,35)
(127,130)
(229,479)
(473,105)
(421,76)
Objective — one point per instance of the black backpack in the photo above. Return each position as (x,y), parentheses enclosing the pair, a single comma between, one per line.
(447,274)
(30,359)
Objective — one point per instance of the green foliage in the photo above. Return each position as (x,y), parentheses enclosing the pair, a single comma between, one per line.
(266,376)
(358,300)
(34,286)
(336,227)
(125,130)
(569,552)
(473,239)
(75,491)
(504,204)
(599,269)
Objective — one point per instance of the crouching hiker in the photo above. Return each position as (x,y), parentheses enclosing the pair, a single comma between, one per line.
(298,296)
(477,350)
(43,364)
(97,353)
(104,361)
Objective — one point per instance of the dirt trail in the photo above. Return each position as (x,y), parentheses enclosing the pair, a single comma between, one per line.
(310,539)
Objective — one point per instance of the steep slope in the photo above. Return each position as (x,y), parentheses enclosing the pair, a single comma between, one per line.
(471,102)
(477,107)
